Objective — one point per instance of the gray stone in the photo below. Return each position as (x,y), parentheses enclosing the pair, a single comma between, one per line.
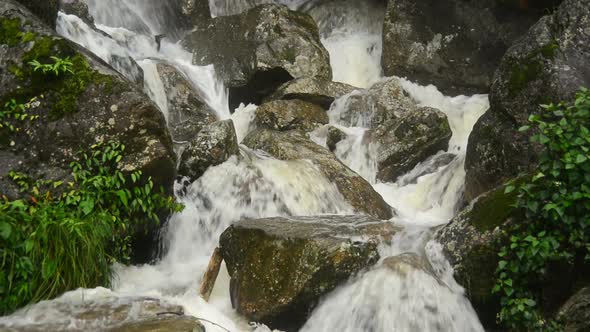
(404,142)
(115,314)
(384,101)
(453,44)
(281,267)
(46,10)
(549,64)
(257,51)
(294,145)
(333,137)
(290,114)
(575,313)
(213,145)
(315,90)
(187,112)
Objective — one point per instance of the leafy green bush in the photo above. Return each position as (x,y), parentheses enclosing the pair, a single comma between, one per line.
(556,202)
(49,245)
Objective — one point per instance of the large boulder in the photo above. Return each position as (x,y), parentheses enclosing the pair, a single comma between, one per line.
(187,112)
(290,114)
(46,10)
(212,146)
(471,243)
(281,267)
(73,110)
(113,314)
(453,44)
(293,145)
(257,51)
(195,11)
(315,90)
(370,108)
(404,142)
(549,64)
(575,313)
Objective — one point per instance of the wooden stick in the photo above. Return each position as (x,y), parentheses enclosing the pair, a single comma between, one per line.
(211,274)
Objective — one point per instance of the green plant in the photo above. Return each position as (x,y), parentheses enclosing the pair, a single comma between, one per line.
(16,112)
(60,66)
(52,243)
(556,203)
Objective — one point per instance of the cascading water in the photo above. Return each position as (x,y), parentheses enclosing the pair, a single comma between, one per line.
(255,185)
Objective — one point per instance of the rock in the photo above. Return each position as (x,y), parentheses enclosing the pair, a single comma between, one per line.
(257,51)
(429,166)
(315,90)
(453,44)
(162,324)
(404,142)
(234,7)
(575,313)
(196,11)
(333,137)
(78,8)
(187,113)
(281,267)
(548,64)
(113,314)
(384,101)
(405,263)
(75,110)
(471,242)
(293,145)
(213,145)
(46,10)
(471,245)
(290,114)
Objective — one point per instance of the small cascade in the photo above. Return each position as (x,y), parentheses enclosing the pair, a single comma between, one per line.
(254,185)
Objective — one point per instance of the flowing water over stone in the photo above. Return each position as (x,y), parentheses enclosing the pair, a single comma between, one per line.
(393,296)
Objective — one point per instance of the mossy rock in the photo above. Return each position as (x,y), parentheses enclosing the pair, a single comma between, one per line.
(471,242)
(281,267)
(74,109)
(547,65)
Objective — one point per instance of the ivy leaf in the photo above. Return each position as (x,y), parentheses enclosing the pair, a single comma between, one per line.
(5,230)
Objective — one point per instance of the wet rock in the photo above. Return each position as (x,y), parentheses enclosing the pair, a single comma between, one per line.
(78,8)
(453,44)
(384,101)
(213,145)
(430,166)
(548,64)
(407,262)
(123,314)
(404,142)
(162,324)
(187,113)
(293,145)
(333,137)
(75,110)
(196,11)
(315,90)
(257,51)
(575,313)
(46,10)
(290,114)
(281,267)
(234,7)
(471,242)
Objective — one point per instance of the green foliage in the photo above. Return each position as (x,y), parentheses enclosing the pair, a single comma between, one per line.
(59,66)
(14,113)
(49,244)
(556,202)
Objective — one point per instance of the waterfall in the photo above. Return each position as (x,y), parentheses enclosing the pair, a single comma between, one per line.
(256,185)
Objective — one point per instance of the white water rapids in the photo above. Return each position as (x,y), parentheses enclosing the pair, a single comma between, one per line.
(255,185)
